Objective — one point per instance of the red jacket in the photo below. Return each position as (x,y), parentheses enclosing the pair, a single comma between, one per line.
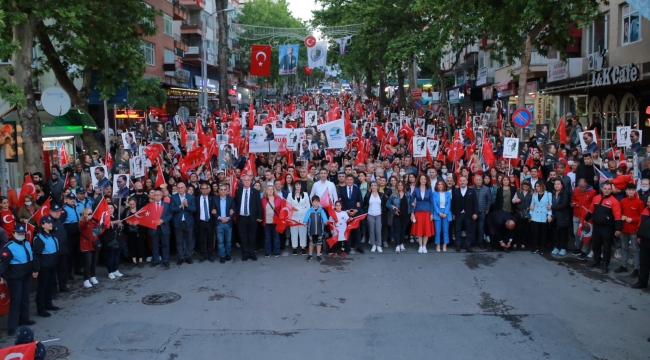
(87,238)
(631,208)
(277,206)
(583,200)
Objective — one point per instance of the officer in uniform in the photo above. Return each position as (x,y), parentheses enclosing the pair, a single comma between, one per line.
(59,232)
(83,200)
(70,215)
(46,257)
(18,268)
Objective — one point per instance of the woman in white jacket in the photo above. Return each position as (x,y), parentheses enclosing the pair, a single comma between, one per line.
(299,199)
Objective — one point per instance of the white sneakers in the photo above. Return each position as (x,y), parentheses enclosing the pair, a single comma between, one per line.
(87,284)
(111,276)
(379,249)
(422,250)
(118,273)
(402,248)
(374,248)
(397,250)
(94,280)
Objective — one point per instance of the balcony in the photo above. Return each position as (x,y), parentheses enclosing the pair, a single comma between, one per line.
(235,45)
(180,12)
(193,4)
(192,28)
(180,43)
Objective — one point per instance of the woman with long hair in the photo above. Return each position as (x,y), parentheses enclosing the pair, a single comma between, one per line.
(27,211)
(373,204)
(88,251)
(562,217)
(441,214)
(287,188)
(299,200)
(505,194)
(399,204)
(271,205)
(136,235)
(422,217)
(540,215)
(522,200)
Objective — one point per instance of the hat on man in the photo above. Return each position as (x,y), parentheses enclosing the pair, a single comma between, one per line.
(20,229)
(46,219)
(56,207)
(71,196)
(81,191)
(56,173)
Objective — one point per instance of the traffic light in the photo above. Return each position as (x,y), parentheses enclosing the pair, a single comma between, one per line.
(9,139)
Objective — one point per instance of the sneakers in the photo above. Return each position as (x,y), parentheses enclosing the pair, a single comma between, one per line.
(267,255)
(582,256)
(352,252)
(379,249)
(555,251)
(344,255)
(424,250)
(412,239)
(304,252)
(94,280)
(536,251)
(319,258)
(363,239)
(111,276)
(576,253)
(374,248)
(294,252)
(591,255)
(420,250)
(620,269)
(87,284)
(563,252)
(402,248)
(309,257)
(397,250)
(118,273)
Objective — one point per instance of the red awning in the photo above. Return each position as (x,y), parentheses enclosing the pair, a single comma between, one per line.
(503,84)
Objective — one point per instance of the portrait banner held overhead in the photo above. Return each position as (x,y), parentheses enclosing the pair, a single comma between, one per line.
(288,58)
(433,146)
(261,141)
(588,141)
(419,147)
(511,148)
(335,133)
(635,140)
(623,136)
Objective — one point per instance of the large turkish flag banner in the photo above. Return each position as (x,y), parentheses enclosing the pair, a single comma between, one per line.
(260,60)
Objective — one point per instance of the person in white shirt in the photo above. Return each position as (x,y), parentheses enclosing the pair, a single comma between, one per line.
(319,187)
(533,176)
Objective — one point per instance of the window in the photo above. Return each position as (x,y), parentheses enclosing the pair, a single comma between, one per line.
(170,57)
(210,20)
(145,20)
(631,31)
(168,25)
(5,61)
(149,53)
(597,39)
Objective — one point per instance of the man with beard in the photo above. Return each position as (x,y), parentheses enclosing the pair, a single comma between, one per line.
(141,199)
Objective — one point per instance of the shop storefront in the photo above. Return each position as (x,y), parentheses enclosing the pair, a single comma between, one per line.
(189,98)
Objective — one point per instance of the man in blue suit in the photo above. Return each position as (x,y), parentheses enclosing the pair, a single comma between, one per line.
(183,208)
(160,236)
(350,196)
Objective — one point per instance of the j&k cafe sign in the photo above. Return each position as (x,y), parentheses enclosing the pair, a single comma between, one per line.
(615,75)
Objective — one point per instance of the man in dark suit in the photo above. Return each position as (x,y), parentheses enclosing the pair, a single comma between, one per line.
(160,236)
(248,207)
(183,208)
(350,196)
(464,208)
(288,61)
(501,229)
(223,215)
(205,223)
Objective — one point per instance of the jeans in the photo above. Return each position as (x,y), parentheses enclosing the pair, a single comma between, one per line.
(224,239)
(112,260)
(480,228)
(442,224)
(90,263)
(271,240)
(374,225)
(578,243)
(626,239)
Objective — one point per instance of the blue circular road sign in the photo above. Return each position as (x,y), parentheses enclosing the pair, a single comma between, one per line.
(521,118)
(418,104)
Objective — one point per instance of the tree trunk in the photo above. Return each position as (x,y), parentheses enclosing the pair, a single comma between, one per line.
(523,72)
(413,74)
(23,34)
(369,82)
(443,100)
(402,91)
(222,21)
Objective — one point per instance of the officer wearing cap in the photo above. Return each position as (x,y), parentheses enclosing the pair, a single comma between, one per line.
(70,215)
(82,200)
(17,266)
(60,233)
(46,257)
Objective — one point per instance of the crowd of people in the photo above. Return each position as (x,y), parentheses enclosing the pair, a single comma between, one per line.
(326,200)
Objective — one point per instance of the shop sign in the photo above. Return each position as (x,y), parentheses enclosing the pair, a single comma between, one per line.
(482,77)
(531,87)
(212,84)
(557,71)
(130,114)
(539,110)
(188,95)
(453,95)
(509,91)
(488,92)
(615,75)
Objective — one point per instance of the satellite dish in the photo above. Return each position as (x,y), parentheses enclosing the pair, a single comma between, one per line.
(55,101)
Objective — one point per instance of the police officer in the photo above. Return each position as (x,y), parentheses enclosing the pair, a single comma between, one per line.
(59,232)
(71,213)
(82,199)
(46,257)
(17,266)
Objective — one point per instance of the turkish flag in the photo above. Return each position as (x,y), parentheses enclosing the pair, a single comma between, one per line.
(44,210)
(154,152)
(250,165)
(307,70)
(63,156)
(183,131)
(160,179)
(561,129)
(102,215)
(28,188)
(251,117)
(4,299)
(260,60)
(23,351)
(148,216)
(353,224)
(326,202)
(30,232)
(284,217)
(109,160)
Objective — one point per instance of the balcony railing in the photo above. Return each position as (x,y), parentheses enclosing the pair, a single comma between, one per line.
(193,4)
(180,43)
(180,12)
(192,27)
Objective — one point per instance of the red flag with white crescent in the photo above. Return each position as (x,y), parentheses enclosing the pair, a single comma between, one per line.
(250,165)
(354,223)
(260,64)
(101,214)
(4,298)
(148,216)
(44,210)
(28,188)
(30,231)
(109,160)
(22,351)
(160,178)
(63,156)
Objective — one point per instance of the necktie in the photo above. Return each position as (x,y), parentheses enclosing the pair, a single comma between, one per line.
(246,203)
(349,192)
(205,209)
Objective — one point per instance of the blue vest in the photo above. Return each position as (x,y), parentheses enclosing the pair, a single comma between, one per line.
(22,254)
(51,244)
(73,214)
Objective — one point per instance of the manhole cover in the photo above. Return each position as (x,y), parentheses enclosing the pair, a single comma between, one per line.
(161,298)
(55,352)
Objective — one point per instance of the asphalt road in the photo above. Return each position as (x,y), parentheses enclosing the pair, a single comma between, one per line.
(371,306)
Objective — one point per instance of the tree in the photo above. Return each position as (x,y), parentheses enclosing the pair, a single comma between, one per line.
(538,25)
(145,93)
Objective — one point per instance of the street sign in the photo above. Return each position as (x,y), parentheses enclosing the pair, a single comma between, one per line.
(416,94)
(310,41)
(183,112)
(418,104)
(522,118)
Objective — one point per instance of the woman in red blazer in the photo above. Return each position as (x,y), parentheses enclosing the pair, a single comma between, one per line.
(88,251)
(271,205)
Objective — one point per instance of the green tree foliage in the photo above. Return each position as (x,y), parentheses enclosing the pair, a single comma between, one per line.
(145,93)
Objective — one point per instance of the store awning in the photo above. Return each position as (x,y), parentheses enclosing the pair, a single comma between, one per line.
(503,84)
(61,130)
(75,117)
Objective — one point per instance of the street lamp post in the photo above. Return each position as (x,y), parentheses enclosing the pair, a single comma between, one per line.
(204,64)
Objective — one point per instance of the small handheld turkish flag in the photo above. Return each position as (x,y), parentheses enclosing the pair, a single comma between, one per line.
(260,60)
(44,210)
(148,216)
(102,215)
(4,299)
(27,189)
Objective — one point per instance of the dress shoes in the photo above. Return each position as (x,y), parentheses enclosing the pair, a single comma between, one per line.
(639,286)
(360,250)
(179,262)
(253,257)
(211,259)
(12,332)
(222,260)
(44,314)
(202,259)
(228,258)
(154,263)
(27,323)
(457,248)
(469,249)
(244,259)
(189,260)
(53,308)
(166,264)
(64,289)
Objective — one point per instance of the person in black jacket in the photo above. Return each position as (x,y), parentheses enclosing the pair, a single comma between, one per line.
(464,208)
(605,211)
(643,237)
(17,268)
(350,196)
(501,229)
(587,170)
(60,233)
(562,217)
(248,209)
(46,257)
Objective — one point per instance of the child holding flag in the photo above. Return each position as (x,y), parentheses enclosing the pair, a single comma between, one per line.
(315,220)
